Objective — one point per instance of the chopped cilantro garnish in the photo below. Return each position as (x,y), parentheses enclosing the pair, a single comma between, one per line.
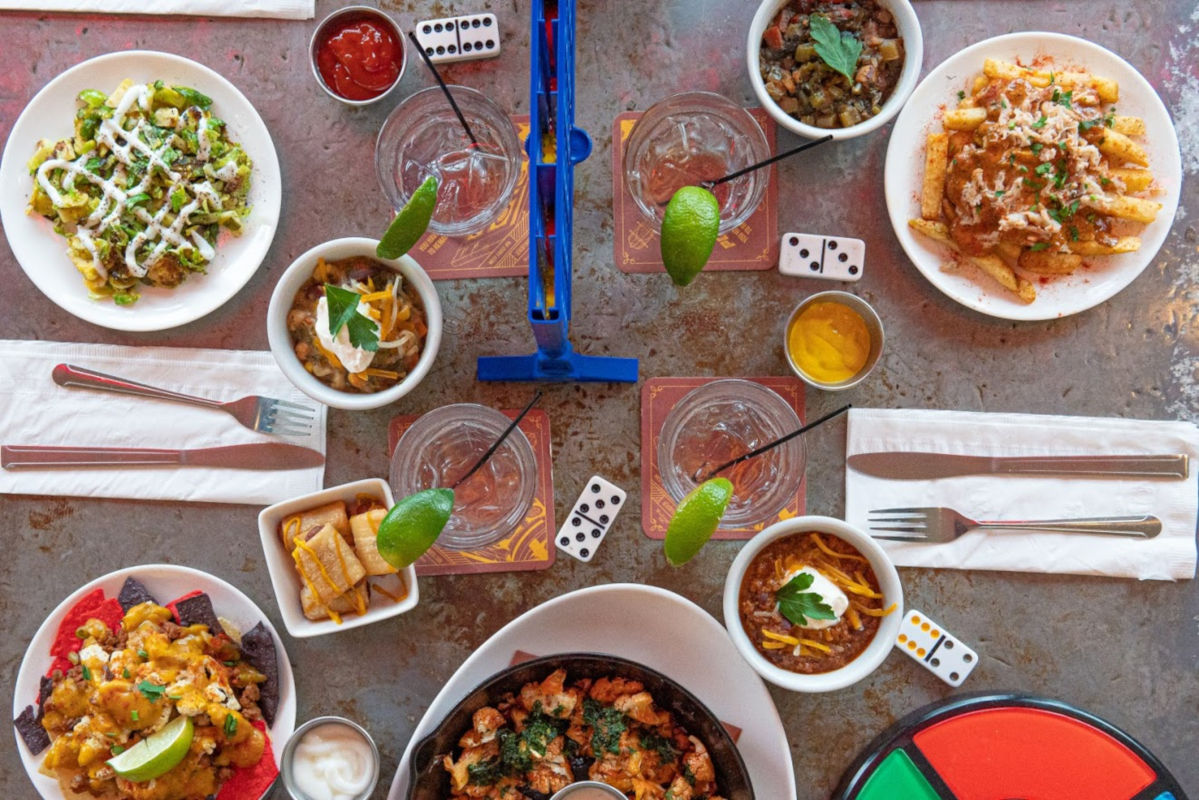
(343,311)
(1000,192)
(1063,98)
(230,726)
(1040,123)
(606,726)
(133,715)
(961,95)
(142,654)
(152,691)
(1073,234)
(1035,147)
(87,673)
(1038,247)
(125,673)
(117,749)
(484,773)
(1043,168)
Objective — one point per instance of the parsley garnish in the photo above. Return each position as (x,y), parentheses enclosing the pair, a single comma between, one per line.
(1043,168)
(1040,123)
(1073,234)
(961,95)
(152,691)
(343,311)
(230,726)
(1038,247)
(1035,147)
(1063,98)
(125,673)
(799,605)
(1000,192)
(838,49)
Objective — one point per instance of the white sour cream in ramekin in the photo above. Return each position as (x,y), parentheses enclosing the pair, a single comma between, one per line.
(333,762)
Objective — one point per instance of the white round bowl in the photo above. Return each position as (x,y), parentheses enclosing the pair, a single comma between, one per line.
(875,652)
(913,47)
(281,343)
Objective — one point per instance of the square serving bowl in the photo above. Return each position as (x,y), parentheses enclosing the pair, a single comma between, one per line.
(286,581)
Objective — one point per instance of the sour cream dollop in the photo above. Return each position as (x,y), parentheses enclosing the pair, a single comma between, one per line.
(354,359)
(830,594)
(333,762)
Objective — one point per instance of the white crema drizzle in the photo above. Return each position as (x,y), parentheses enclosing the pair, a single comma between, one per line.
(114,202)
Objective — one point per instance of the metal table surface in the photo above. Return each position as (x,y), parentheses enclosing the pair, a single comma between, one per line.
(1125,650)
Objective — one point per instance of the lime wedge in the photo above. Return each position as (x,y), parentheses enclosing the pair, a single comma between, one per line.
(689,229)
(412,525)
(411,223)
(157,754)
(695,519)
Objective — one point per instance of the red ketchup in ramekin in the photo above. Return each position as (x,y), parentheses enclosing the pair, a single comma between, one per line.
(359,57)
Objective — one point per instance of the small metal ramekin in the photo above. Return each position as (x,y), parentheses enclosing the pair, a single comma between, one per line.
(874,326)
(286,760)
(570,792)
(365,11)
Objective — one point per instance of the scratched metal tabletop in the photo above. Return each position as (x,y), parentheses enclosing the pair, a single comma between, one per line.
(1125,650)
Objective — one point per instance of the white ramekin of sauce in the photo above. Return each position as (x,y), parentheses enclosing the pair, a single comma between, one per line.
(589,790)
(330,758)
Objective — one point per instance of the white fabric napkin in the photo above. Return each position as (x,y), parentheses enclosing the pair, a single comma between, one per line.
(1169,556)
(276,9)
(35,410)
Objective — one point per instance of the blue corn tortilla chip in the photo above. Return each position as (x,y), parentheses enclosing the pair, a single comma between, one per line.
(258,648)
(44,688)
(134,593)
(196,609)
(35,736)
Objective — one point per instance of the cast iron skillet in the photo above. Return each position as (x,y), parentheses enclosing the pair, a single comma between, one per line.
(430,781)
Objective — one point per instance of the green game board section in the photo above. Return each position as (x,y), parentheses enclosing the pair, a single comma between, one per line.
(897,777)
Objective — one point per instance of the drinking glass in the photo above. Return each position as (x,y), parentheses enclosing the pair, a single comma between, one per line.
(442,445)
(693,137)
(724,419)
(422,137)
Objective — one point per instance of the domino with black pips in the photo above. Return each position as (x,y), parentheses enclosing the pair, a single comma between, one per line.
(590,519)
(461,38)
(833,258)
(937,650)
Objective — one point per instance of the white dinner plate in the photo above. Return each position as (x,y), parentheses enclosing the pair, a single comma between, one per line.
(1103,276)
(42,253)
(165,582)
(656,628)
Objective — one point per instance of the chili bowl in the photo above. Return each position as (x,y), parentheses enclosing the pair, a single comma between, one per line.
(913,42)
(416,280)
(869,658)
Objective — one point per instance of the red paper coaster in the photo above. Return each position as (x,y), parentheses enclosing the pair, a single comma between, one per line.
(658,396)
(500,251)
(753,245)
(526,548)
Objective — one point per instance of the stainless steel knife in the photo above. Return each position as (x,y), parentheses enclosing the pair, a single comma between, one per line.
(266,455)
(927,466)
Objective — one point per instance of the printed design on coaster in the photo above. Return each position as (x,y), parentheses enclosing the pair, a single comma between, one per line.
(528,546)
(934,648)
(658,396)
(500,251)
(593,515)
(750,246)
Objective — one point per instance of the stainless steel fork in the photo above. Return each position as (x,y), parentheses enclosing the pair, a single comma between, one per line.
(944,525)
(262,414)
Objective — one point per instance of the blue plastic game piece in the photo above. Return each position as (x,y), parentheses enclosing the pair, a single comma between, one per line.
(554,145)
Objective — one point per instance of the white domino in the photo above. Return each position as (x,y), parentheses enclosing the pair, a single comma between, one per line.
(459,38)
(591,518)
(833,258)
(936,649)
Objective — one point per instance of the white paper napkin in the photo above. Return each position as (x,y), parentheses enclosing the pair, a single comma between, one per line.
(35,410)
(276,9)
(1169,556)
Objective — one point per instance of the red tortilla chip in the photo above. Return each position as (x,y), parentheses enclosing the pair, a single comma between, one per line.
(172,605)
(92,605)
(251,783)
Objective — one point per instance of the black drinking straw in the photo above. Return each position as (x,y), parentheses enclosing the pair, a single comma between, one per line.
(453,104)
(496,444)
(713,473)
(767,162)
